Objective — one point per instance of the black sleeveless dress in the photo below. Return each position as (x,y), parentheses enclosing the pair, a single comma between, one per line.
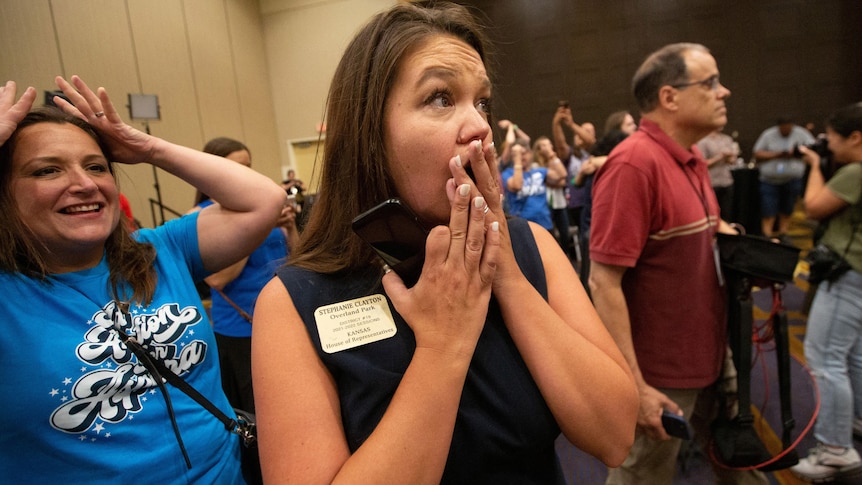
(504,432)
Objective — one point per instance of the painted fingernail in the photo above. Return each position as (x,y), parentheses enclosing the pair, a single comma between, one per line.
(386,269)
(458,161)
(495,226)
(479,202)
(477,145)
(464,190)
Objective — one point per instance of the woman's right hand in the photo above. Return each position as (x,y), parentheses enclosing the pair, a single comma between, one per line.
(652,404)
(11,111)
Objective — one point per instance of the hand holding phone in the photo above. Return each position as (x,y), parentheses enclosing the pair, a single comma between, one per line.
(676,425)
(396,235)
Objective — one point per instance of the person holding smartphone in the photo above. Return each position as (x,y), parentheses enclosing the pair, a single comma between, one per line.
(653,261)
(468,376)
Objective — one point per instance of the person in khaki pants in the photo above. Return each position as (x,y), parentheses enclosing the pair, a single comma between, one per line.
(654,278)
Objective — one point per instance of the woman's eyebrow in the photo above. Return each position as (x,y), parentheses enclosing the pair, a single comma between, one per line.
(435,73)
(445,73)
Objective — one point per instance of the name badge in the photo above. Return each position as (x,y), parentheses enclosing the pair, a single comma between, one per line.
(352,323)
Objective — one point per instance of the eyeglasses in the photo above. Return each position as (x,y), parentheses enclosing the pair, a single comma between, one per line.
(711,82)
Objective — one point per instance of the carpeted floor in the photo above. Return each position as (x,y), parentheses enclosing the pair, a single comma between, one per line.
(694,467)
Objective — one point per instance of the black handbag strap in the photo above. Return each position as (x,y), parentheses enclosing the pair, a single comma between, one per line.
(854,225)
(149,363)
(850,241)
(162,371)
(244,314)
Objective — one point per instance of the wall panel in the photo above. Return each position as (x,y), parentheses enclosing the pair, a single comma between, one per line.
(203,58)
(796,57)
(163,61)
(253,87)
(99,47)
(304,42)
(212,64)
(18,54)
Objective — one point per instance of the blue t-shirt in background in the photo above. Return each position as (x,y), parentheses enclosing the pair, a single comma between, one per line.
(531,202)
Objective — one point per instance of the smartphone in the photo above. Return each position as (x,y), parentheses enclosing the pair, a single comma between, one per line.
(396,235)
(564,103)
(676,425)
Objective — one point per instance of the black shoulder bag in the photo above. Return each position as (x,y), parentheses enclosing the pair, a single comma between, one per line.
(824,264)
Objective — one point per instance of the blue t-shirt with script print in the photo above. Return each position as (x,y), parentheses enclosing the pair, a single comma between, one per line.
(77,407)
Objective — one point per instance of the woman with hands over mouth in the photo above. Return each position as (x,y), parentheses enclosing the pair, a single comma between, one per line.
(78,405)
(469,375)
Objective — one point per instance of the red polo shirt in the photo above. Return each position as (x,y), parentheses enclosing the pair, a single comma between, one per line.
(654,212)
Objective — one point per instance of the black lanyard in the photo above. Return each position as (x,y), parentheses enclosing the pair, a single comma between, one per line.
(701,195)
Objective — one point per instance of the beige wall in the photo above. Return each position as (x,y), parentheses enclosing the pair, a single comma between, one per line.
(255,70)
(304,42)
(205,59)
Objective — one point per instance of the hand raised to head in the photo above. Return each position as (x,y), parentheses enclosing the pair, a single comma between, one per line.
(11,111)
(127,144)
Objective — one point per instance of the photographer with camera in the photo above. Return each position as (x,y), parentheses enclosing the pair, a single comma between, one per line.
(833,340)
(781,173)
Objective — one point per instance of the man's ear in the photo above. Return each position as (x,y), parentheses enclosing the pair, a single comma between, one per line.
(667,98)
(855,138)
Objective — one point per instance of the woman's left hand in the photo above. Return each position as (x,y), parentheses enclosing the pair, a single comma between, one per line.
(11,111)
(127,144)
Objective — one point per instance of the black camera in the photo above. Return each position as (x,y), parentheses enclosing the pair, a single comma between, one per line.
(820,147)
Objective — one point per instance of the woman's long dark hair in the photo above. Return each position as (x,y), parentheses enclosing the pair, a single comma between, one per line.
(21,252)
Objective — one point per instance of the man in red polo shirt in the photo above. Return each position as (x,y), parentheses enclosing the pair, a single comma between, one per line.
(653,277)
